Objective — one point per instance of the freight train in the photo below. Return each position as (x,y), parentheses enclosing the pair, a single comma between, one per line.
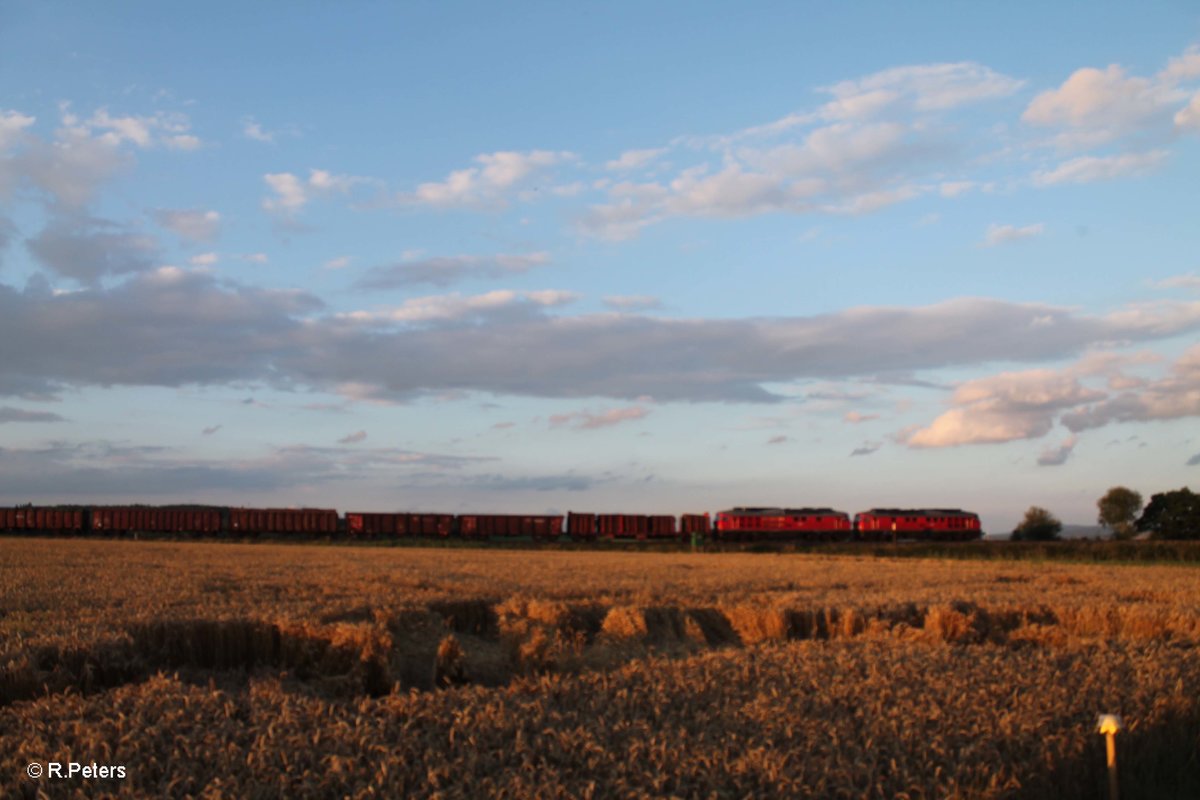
(741,524)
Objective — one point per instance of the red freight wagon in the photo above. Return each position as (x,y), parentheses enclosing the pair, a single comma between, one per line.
(430,525)
(635,526)
(30,518)
(581,527)
(391,525)
(744,524)
(661,526)
(372,525)
(282,520)
(166,519)
(694,524)
(936,524)
(487,526)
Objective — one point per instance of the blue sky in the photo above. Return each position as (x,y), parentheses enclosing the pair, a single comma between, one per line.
(669,257)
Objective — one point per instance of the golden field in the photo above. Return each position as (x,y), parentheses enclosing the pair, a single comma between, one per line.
(239,670)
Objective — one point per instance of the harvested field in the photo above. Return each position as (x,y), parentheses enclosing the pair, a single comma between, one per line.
(281,671)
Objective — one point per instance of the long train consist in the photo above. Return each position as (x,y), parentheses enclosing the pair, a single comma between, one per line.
(742,524)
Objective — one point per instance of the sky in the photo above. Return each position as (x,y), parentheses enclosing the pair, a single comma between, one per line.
(539,257)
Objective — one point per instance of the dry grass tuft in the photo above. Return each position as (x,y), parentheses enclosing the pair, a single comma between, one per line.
(756,624)
(449,667)
(625,622)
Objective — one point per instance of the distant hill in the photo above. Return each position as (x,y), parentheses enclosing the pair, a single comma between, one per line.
(1068,532)
(1085,532)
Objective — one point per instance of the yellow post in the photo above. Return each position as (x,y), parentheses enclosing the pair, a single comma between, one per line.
(1109,724)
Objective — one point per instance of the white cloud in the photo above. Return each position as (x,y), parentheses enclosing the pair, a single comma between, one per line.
(1189,281)
(488,183)
(1183,68)
(340,262)
(1101,100)
(1173,397)
(455,306)
(325,181)
(634,159)
(843,147)
(515,348)
(551,297)
(204,259)
(568,189)
(905,90)
(854,417)
(1111,365)
(1086,169)
(955,188)
(192,224)
(213,331)
(252,130)
(9,414)
(70,168)
(133,129)
(923,87)
(183,141)
(627,302)
(292,193)
(445,270)
(729,193)
(1094,106)
(870,202)
(90,249)
(1188,118)
(632,207)
(586,420)
(12,126)
(169,130)
(353,438)
(1057,456)
(1003,408)
(1003,234)
(843,168)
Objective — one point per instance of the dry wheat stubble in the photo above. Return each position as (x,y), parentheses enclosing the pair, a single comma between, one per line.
(626,673)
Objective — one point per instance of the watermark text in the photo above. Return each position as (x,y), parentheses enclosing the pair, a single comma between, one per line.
(73,770)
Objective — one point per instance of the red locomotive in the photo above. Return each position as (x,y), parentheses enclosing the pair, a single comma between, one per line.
(745,524)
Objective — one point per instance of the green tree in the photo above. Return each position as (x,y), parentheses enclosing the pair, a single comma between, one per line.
(1172,515)
(1118,509)
(1039,525)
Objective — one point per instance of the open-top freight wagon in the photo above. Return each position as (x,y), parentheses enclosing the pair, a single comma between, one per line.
(545,528)
(44,520)
(154,519)
(586,527)
(372,525)
(244,521)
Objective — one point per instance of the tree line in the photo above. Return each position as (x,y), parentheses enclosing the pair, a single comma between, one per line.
(1168,515)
